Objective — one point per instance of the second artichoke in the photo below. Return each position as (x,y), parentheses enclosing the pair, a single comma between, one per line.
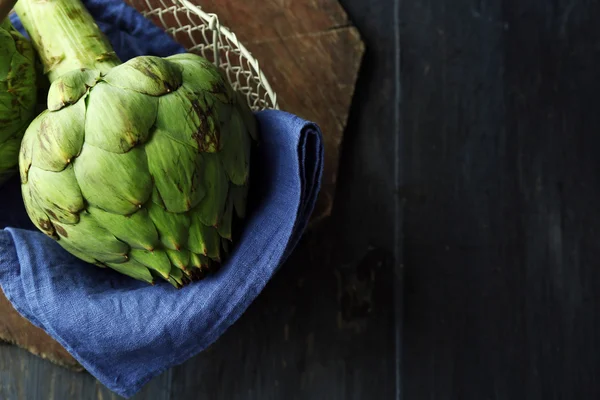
(18,95)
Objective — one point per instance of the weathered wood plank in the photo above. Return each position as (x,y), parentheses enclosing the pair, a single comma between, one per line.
(317,331)
(24,376)
(501,253)
(16,329)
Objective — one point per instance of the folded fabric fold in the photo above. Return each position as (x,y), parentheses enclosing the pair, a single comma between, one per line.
(125,332)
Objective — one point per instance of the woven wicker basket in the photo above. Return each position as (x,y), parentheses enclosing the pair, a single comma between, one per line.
(201,33)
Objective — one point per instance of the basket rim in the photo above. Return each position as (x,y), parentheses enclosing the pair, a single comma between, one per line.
(214,24)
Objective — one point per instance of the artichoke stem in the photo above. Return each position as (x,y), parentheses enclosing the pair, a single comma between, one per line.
(65,36)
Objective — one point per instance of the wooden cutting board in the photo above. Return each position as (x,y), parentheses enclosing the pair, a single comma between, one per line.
(309,52)
(311,55)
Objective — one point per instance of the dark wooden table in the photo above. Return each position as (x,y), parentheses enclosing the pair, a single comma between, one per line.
(501,176)
(462,260)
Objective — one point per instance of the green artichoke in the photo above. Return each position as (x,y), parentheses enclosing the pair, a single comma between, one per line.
(139,166)
(18,95)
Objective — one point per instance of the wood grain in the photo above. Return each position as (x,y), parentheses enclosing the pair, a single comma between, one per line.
(277,19)
(315,76)
(501,227)
(318,331)
(17,330)
(24,376)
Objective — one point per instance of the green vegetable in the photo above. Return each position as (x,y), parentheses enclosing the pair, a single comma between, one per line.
(18,94)
(138,166)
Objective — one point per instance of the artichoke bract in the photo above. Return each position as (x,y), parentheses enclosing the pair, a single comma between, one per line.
(18,95)
(139,166)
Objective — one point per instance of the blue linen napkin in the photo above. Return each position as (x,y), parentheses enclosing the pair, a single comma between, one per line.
(125,332)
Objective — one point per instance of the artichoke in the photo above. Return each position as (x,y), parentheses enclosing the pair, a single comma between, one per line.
(18,95)
(140,166)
